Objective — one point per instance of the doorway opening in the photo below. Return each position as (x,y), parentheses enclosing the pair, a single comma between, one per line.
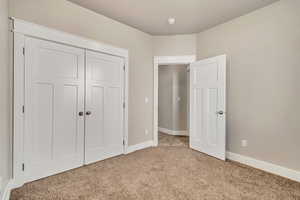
(207,107)
(173,105)
(168,127)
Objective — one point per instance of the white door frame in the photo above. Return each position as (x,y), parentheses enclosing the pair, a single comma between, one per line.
(164,60)
(22,29)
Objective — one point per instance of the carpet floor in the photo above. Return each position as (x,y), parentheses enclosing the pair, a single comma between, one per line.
(166,172)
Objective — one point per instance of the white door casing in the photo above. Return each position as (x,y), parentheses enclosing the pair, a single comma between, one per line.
(54,95)
(207,106)
(104,106)
(164,60)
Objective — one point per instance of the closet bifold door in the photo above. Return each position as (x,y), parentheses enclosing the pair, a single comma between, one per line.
(104,106)
(54,96)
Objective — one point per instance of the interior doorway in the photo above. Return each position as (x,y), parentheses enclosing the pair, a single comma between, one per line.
(171,125)
(173,105)
(207,86)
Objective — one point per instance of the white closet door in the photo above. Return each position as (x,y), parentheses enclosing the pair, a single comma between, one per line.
(104,106)
(54,95)
(207,106)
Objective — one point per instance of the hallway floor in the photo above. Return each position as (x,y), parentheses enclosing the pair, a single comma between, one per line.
(170,171)
(171,140)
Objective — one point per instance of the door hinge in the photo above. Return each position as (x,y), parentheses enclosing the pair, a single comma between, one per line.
(23,167)
(124,105)
(24,51)
(123,142)
(124,67)
(23,109)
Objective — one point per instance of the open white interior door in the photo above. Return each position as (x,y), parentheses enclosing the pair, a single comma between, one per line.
(207,106)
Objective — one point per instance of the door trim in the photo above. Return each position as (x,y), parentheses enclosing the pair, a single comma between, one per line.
(21,30)
(164,60)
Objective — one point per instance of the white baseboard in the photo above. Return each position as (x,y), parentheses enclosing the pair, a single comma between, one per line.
(139,146)
(171,132)
(265,166)
(7,190)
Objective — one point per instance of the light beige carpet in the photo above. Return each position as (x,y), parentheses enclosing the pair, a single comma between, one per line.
(162,173)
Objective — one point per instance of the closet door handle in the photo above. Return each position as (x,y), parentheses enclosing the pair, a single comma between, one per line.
(80,113)
(88,113)
(220,112)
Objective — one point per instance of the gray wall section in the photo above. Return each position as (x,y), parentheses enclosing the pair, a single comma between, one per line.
(5,100)
(172,97)
(263,50)
(179,98)
(66,16)
(165,98)
(174,45)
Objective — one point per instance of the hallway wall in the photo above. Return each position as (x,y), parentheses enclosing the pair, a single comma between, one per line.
(172,97)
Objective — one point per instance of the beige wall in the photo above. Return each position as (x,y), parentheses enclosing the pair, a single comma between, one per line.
(179,98)
(165,98)
(172,84)
(263,50)
(175,45)
(66,16)
(5,105)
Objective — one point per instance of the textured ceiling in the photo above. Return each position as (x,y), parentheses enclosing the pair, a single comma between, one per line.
(192,16)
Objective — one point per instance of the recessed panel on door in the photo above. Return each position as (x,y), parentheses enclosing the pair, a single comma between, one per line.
(104,106)
(54,95)
(207,104)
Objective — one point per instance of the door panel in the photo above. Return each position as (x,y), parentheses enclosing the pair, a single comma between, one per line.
(54,94)
(67,123)
(207,124)
(97,101)
(104,99)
